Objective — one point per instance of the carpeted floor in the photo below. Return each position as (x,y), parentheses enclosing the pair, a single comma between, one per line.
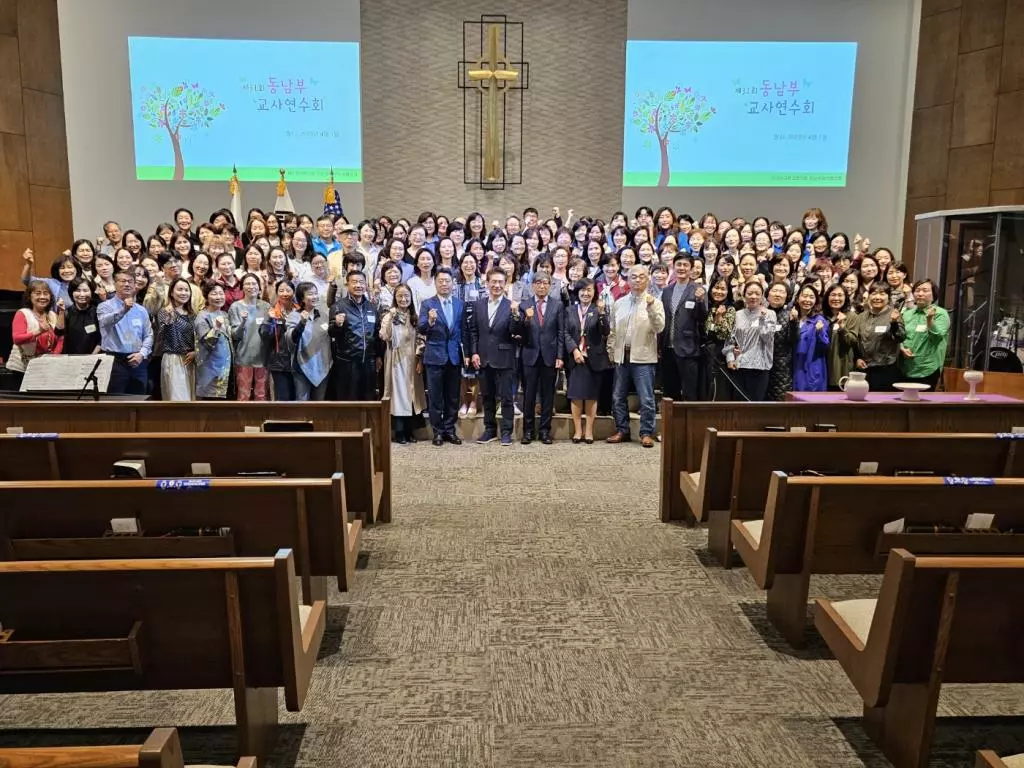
(528,608)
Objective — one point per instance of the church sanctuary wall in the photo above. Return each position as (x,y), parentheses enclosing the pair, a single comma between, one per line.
(35,200)
(94,54)
(967,145)
(885,31)
(413,109)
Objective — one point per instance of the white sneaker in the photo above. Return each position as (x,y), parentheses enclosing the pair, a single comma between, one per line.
(463,410)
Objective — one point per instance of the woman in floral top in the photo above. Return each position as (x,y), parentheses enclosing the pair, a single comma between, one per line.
(719,327)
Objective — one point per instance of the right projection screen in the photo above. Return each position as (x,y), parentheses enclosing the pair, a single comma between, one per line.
(737,114)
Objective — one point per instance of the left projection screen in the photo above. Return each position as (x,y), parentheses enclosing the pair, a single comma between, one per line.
(202,106)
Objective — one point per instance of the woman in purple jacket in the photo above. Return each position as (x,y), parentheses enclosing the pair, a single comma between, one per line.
(810,353)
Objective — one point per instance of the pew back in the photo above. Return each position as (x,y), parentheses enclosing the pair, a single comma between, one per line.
(48,520)
(156,625)
(204,416)
(90,456)
(684,426)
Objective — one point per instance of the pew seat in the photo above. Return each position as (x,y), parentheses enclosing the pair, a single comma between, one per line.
(162,749)
(732,483)
(835,525)
(935,620)
(49,520)
(158,624)
(989,759)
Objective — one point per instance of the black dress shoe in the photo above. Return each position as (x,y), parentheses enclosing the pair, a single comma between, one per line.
(437,440)
(454,440)
(401,440)
(526,440)
(546,439)
(410,439)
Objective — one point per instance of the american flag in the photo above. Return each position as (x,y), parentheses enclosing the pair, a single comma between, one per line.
(332,200)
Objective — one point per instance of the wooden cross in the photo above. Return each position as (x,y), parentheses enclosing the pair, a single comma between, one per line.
(492,80)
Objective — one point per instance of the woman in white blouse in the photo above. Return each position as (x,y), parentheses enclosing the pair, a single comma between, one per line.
(422,283)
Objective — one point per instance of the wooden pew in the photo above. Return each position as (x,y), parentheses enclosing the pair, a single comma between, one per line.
(52,520)
(90,456)
(162,749)
(150,625)
(736,467)
(683,426)
(205,416)
(936,620)
(834,525)
(986,758)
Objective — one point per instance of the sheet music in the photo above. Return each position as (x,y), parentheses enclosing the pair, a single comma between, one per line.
(65,373)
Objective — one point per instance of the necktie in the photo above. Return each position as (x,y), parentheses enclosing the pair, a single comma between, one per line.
(540,312)
(448,312)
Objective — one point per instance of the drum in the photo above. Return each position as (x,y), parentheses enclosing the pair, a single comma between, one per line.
(1003,360)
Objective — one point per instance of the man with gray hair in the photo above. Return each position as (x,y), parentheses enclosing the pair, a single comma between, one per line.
(637,319)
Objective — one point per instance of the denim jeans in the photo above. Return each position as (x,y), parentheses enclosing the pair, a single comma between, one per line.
(642,376)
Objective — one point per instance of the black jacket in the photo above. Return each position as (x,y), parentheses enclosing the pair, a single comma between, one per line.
(596,327)
(688,320)
(546,342)
(494,342)
(358,338)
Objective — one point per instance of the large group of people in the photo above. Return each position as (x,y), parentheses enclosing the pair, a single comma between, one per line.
(451,317)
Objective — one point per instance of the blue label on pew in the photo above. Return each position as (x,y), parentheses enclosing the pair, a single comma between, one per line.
(183,484)
(38,436)
(1009,435)
(968,481)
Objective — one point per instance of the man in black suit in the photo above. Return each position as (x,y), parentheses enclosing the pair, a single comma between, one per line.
(686,310)
(543,352)
(491,336)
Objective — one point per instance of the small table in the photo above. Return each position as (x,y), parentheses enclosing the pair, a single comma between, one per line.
(896,397)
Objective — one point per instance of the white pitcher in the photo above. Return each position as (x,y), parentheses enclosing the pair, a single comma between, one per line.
(855,385)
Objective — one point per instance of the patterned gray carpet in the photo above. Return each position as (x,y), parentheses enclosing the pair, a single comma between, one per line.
(528,608)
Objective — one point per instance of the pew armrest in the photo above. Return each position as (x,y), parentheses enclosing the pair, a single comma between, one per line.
(747,539)
(301,632)
(690,484)
(986,758)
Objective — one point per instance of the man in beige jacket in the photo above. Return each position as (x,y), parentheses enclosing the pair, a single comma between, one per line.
(637,319)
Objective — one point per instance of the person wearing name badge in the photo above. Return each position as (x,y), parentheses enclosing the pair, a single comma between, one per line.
(176,335)
(637,320)
(307,328)
(353,324)
(542,353)
(923,351)
(403,366)
(81,329)
(586,352)
(751,350)
(277,347)
(440,322)
(36,329)
(686,311)
(879,332)
(246,317)
(126,334)
(213,346)
(812,343)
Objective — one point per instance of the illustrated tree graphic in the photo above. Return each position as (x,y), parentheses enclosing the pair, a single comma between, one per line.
(183,107)
(677,112)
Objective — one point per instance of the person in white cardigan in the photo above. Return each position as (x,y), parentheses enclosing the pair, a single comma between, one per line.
(637,319)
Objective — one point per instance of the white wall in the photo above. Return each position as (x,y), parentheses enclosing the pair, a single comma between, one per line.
(97,102)
(886,32)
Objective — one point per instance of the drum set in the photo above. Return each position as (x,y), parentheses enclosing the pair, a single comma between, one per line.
(1006,346)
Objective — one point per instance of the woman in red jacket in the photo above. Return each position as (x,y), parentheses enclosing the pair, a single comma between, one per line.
(35,330)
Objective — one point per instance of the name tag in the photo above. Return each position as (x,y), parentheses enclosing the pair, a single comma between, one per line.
(689,304)
(136,324)
(259,321)
(90,328)
(755,323)
(881,328)
(921,328)
(371,318)
(323,326)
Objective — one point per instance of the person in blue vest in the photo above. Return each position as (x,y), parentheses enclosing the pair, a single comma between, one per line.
(440,323)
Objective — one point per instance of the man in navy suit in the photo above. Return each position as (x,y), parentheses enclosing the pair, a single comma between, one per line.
(492,331)
(543,352)
(441,324)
